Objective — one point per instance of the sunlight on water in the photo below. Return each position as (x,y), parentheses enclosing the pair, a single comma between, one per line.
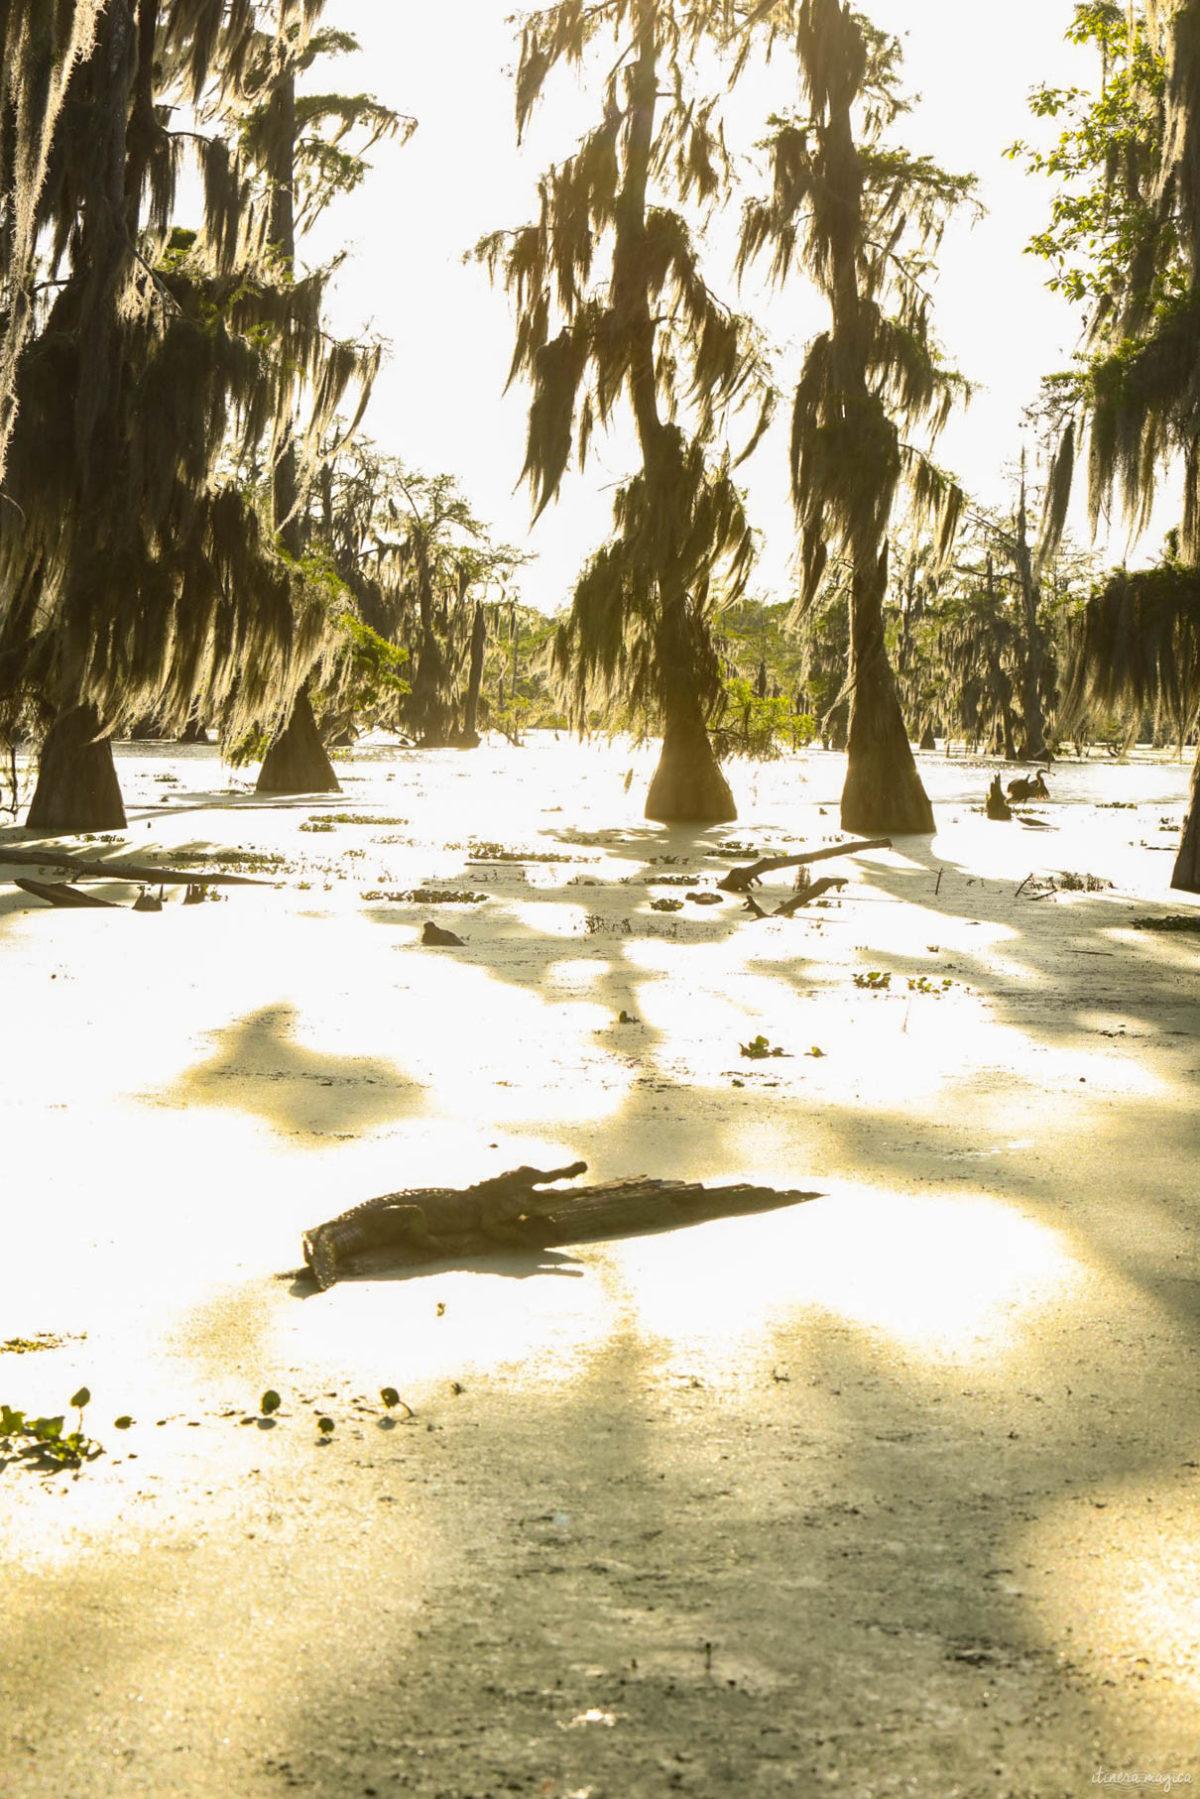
(222,1077)
(550,920)
(1117,1574)
(945,1277)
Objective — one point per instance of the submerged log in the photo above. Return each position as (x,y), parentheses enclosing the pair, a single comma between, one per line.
(58,893)
(431,1224)
(740,880)
(121,871)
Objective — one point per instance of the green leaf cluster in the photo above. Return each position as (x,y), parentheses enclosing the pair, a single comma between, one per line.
(45,1443)
(1107,237)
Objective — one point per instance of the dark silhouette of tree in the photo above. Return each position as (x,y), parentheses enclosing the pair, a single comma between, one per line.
(862,219)
(612,304)
(308,148)
(146,365)
(1128,240)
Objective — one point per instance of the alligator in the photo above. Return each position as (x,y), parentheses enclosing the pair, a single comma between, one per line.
(432,1221)
(429,1224)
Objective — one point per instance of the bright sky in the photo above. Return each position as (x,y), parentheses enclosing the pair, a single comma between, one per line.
(439,402)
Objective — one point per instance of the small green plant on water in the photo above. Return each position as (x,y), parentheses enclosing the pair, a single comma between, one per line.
(43,1443)
(502,852)
(759,727)
(758,1049)
(270,1412)
(922,984)
(1076,883)
(352,818)
(426,896)
(239,859)
(874,980)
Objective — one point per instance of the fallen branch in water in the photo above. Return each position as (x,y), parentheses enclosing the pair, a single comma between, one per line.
(57,893)
(431,1224)
(740,880)
(804,896)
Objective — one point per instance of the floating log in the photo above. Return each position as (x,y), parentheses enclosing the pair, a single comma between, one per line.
(740,880)
(137,872)
(57,893)
(433,1224)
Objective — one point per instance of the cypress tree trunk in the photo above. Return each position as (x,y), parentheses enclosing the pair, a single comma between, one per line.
(1185,876)
(468,737)
(77,788)
(296,761)
(1033,656)
(688,786)
(426,708)
(297,755)
(1010,746)
(883,795)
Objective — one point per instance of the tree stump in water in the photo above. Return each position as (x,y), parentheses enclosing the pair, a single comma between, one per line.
(997,806)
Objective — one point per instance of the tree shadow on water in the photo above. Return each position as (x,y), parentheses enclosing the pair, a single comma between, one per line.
(259,1068)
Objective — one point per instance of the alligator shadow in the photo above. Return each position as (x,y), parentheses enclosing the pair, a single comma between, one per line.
(518,1265)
